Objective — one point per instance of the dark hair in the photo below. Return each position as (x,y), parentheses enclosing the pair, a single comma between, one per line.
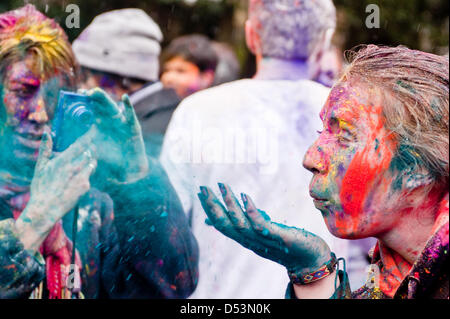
(194,48)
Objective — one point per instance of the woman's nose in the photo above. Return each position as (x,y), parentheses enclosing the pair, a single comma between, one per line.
(39,112)
(315,159)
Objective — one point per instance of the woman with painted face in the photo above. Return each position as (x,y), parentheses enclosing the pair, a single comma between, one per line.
(60,237)
(381,169)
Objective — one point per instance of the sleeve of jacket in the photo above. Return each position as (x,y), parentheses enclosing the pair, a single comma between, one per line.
(20,270)
(156,255)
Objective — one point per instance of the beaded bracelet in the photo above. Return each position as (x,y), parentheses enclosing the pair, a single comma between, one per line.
(324,271)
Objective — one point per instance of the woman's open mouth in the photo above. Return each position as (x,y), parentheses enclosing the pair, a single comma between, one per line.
(318,201)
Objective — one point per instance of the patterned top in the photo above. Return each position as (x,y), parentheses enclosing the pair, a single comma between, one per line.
(428,278)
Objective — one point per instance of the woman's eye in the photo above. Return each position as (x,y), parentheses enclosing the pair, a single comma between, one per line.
(333,125)
(345,138)
(319,132)
(22,92)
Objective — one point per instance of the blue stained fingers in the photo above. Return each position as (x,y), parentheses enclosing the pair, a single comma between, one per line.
(103,103)
(253,229)
(130,114)
(259,221)
(275,236)
(45,151)
(219,218)
(215,211)
(234,212)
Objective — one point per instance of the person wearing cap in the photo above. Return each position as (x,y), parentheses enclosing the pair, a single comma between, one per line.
(65,234)
(252,134)
(119,51)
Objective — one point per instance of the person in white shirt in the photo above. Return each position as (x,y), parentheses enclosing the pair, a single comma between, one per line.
(252,135)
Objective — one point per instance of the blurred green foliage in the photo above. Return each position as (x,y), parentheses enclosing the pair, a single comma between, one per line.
(418,24)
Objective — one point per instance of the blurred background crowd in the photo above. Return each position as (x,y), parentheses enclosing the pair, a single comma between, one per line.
(418,24)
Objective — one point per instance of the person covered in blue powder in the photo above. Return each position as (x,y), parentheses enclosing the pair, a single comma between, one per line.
(131,238)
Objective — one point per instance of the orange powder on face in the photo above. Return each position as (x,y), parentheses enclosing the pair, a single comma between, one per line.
(362,172)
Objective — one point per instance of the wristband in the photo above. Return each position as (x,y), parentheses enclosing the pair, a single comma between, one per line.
(299,278)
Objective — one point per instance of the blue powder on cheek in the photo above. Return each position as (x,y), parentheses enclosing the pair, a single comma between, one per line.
(377,144)
(404,161)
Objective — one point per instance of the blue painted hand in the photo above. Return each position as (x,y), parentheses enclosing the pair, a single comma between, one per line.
(120,137)
(297,249)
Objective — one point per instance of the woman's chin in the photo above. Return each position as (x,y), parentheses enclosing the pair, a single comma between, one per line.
(344,230)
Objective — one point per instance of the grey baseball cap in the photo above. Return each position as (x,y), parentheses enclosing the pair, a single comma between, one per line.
(124,42)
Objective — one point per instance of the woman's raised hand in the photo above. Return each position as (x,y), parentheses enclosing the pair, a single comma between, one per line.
(297,249)
(57,186)
(119,137)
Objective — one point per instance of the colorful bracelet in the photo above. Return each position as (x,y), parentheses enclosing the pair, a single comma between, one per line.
(324,271)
